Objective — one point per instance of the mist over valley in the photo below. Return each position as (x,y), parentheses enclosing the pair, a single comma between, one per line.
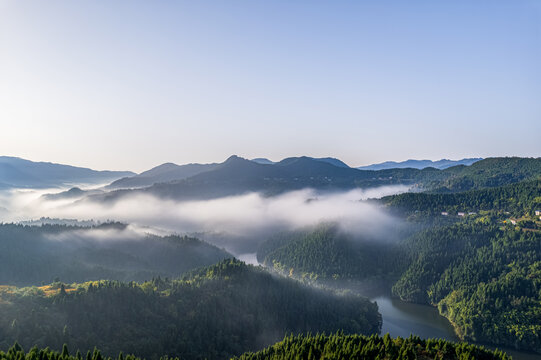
(270,180)
(312,222)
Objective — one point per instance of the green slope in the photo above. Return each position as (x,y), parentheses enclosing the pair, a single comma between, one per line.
(516,199)
(481,270)
(484,278)
(325,253)
(491,172)
(32,255)
(215,312)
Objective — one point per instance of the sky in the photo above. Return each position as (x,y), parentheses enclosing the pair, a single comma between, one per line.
(128,85)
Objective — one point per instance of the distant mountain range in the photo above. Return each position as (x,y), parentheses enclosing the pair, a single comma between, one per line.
(420,164)
(17,172)
(237,176)
(169,172)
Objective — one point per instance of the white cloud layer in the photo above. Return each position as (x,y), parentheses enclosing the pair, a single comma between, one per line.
(247,218)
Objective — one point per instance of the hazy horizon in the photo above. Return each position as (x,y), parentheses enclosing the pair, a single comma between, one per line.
(130,85)
(224,158)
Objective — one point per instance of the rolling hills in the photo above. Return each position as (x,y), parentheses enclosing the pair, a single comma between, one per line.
(480,269)
(16,172)
(326,254)
(32,255)
(237,176)
(161,174)
(419,164)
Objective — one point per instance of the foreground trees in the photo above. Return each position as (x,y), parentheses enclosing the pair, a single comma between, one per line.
(341,346)
(337,346)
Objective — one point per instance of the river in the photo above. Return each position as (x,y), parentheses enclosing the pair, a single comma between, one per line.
(402,319)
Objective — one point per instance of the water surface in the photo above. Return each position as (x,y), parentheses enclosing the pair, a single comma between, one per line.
(403,319)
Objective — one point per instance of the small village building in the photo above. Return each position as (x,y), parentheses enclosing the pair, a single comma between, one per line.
(461,214)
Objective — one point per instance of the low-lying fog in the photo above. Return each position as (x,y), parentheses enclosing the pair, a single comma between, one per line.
(237,223)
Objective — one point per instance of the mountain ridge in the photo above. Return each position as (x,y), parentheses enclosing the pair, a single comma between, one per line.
(238,176)
(419,164)
(330,160)
(165,172)
(18,172)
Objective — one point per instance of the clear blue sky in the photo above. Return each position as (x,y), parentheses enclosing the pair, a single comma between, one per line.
(131,84)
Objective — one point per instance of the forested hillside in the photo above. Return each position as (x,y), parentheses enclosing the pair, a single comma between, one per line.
(326,253)
(32,255)
(482,269)
(215,312)
(491,172)
(486,279)
(515,199)
(359,347)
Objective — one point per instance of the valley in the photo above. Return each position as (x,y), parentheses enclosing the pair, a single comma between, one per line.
(270,180)
(430,247)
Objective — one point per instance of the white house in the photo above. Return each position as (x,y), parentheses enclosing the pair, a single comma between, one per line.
(537,212)
(461,214)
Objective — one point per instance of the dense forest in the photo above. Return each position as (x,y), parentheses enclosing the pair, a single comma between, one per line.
(16,352)
(431,251)
(214,312)
(320,346)
(486,279)
(511,200)
(32,255)
(340,346)
(325,253)
(482,269)
(487,173)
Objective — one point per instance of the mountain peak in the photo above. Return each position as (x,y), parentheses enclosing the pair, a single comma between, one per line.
(234,158)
